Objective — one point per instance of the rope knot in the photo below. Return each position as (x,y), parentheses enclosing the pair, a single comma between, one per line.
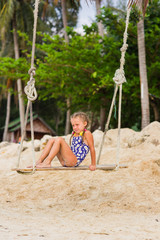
(119,77)
(30,90)
(124,48)
(32,71)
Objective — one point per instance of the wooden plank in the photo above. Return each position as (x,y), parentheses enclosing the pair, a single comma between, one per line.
(83,167)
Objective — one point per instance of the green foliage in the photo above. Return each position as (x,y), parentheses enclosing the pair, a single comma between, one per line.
(14,69)
(78,70)
(83,69)
(152,35)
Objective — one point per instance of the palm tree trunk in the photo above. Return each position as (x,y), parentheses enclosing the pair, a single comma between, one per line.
(3,41)
(64,18)
(98,11)
(155,110)
(19,83)
(7,116)
(101,33)
(102,118)
(44,9)
(143,75)
(68,114)
(57,121)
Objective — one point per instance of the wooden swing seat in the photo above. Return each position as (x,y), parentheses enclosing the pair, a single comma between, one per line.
(83,167)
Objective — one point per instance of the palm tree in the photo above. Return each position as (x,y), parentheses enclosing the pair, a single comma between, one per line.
(143,74)
(65,24)
(64,5)
(15,15)
(9,12)
(64,17)
(98,12)
(143,70)
(8,110)
(19,83)
(101,33)
(142,4)
(7,15)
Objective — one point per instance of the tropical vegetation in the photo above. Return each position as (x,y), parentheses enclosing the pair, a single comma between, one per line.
(82,68)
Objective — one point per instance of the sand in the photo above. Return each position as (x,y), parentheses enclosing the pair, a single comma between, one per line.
(112,205)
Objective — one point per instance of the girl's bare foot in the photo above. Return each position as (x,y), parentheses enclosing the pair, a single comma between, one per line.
(37,163)
(43,165)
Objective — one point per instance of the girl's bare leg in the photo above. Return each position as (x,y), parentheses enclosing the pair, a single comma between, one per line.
(61,160)
(46,151)
(60,149)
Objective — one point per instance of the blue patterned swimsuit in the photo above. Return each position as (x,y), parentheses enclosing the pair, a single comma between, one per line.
(79,148)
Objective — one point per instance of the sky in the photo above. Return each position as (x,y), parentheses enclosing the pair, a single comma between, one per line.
(88,12)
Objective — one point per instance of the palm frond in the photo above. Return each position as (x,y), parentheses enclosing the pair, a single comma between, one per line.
(6,13)
(144,4)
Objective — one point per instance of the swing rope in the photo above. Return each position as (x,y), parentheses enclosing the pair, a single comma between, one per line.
(119,79)
(31,93)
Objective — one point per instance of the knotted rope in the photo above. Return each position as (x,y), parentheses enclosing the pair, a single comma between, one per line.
(31,93)
(30,89)
(119,79)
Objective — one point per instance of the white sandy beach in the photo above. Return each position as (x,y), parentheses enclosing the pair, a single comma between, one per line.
(77,205)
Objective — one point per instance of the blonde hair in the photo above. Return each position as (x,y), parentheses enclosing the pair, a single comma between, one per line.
(82,116)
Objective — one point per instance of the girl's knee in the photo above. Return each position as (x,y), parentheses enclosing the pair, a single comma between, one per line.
(51,140)
(59,139)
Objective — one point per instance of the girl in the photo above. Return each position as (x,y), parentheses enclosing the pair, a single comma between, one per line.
(81,142)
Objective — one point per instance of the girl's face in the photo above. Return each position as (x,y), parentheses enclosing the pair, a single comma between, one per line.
(78,124)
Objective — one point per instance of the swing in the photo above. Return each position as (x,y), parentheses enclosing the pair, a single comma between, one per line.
(81,167)
(119,79)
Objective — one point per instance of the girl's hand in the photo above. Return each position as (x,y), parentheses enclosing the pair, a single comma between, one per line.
(92,167)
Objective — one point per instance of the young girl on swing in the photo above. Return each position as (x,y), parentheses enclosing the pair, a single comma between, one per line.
(81,142)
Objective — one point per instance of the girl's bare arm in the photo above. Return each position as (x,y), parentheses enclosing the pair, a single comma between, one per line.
(90,143)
